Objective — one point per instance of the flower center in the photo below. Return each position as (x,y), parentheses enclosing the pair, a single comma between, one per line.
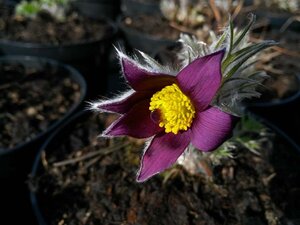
(175,109)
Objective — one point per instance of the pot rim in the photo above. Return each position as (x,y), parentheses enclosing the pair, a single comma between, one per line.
(135,32)
(24,44)
(274,104)
(36,163)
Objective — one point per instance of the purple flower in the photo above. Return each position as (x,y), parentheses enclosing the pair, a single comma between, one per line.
(173,111)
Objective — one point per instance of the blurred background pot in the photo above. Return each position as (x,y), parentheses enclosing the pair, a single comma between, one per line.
(134,7)
(98,9)
(278,20)
(276,14)
(147,38)
(282,116)
(279,103)
(11,3)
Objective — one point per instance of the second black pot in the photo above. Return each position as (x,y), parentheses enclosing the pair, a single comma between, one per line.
(98,9)
(15,162)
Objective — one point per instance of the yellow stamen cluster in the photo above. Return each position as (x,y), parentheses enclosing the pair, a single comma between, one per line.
(176,109)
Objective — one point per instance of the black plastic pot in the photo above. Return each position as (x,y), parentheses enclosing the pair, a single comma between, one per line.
(89,57)
(278,20)
(69,53)
(134,7)
(98,9)
(49,145)
(16,162)
(11,3)
(283,117)
(39,206)
(141,41)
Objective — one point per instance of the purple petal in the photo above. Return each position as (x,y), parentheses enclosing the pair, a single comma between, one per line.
(162,152)
(124,103)
(141,79)
(201,79)
(211,128)
(136,123)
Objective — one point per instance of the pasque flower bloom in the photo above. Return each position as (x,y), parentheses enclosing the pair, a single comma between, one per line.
(194,102)
(173,111)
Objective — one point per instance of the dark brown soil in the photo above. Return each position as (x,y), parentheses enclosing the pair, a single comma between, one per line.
(148,1)
(31,100)
(45,29)
(153,25)
(89,180)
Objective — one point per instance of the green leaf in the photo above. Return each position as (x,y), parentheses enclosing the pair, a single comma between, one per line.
(249,124)
(221,40)
(244,32)
(249,50)
(231,37)
(245,56)
(29,9)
